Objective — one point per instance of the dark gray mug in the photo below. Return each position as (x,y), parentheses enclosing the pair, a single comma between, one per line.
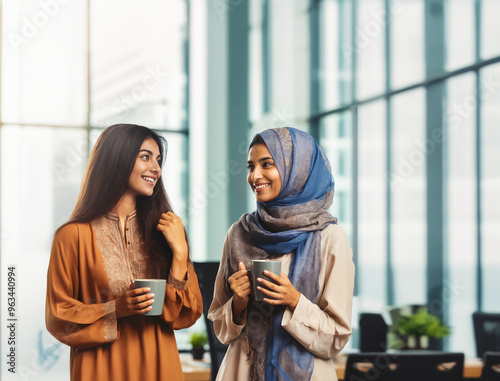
(157,287)
(258,267)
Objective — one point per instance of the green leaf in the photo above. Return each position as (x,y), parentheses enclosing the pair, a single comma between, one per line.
(421,323)
(198,339)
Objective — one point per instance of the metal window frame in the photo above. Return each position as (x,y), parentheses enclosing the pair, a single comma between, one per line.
(434,79)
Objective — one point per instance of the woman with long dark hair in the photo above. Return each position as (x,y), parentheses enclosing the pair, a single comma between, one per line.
(122,228)
(304,319)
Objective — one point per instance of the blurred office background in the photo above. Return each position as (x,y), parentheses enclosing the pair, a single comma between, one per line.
(403,96)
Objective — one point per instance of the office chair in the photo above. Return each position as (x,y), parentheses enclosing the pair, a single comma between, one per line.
(372,333)
(206,273)
(406,365)
(491,366)
(486,332)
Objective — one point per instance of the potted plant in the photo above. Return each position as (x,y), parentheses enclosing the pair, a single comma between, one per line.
(198,340)
(414,330)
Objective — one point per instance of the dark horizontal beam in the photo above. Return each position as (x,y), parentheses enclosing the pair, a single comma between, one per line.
(428,82)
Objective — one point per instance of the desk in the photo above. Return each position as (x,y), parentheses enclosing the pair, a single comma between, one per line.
(195,370)
(200,370)
(472,367)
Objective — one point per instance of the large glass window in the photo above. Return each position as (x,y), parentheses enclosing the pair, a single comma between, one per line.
(259,90)
(460,33)
(490,186)
(370,68)
(336,140)
(136,73)
(288,63)
(460,284)
(408,219)
(372,206)
(41,171)
(489,28)
(407,42)
(43,83)
(133,76)
(370,44)
(336,54)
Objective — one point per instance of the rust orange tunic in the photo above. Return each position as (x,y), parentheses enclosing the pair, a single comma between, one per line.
(91,265)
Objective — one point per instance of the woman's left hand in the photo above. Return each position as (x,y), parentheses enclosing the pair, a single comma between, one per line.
(281,290)
(173,230)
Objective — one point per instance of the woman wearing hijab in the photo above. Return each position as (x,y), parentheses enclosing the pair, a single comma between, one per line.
(305,319)
(122,228)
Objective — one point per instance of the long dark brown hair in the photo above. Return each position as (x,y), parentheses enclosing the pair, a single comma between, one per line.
(106,180)
(257,139)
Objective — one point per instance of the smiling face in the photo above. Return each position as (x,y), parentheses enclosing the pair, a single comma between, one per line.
(263,176)
(146,171)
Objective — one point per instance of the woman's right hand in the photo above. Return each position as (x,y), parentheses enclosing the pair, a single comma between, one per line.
(241,287)
(135,301)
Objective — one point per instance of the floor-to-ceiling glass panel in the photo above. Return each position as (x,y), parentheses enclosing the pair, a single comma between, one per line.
(372,207)
(43,65)
(175,173)
(336,141)
(408,197)
(370,47)
(138,65)
(490,28)
(290,63)
(407,40)
(336,54)
(490,186)
(41,173)
(460,280)
(257,65)
(460,33)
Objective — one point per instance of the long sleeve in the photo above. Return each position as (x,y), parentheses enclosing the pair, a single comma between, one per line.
(71,321)
(324,328)
(91,266)
(183,303)
(221,312)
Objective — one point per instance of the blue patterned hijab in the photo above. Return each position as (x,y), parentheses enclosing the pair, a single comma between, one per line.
(290,223)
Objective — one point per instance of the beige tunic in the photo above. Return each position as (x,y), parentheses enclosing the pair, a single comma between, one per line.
(91,265)
(323,327)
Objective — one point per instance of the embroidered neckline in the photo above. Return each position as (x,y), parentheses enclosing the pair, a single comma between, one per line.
(115,217)
(124,258)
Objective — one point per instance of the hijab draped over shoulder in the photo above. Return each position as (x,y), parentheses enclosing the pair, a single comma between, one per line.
(291,223)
